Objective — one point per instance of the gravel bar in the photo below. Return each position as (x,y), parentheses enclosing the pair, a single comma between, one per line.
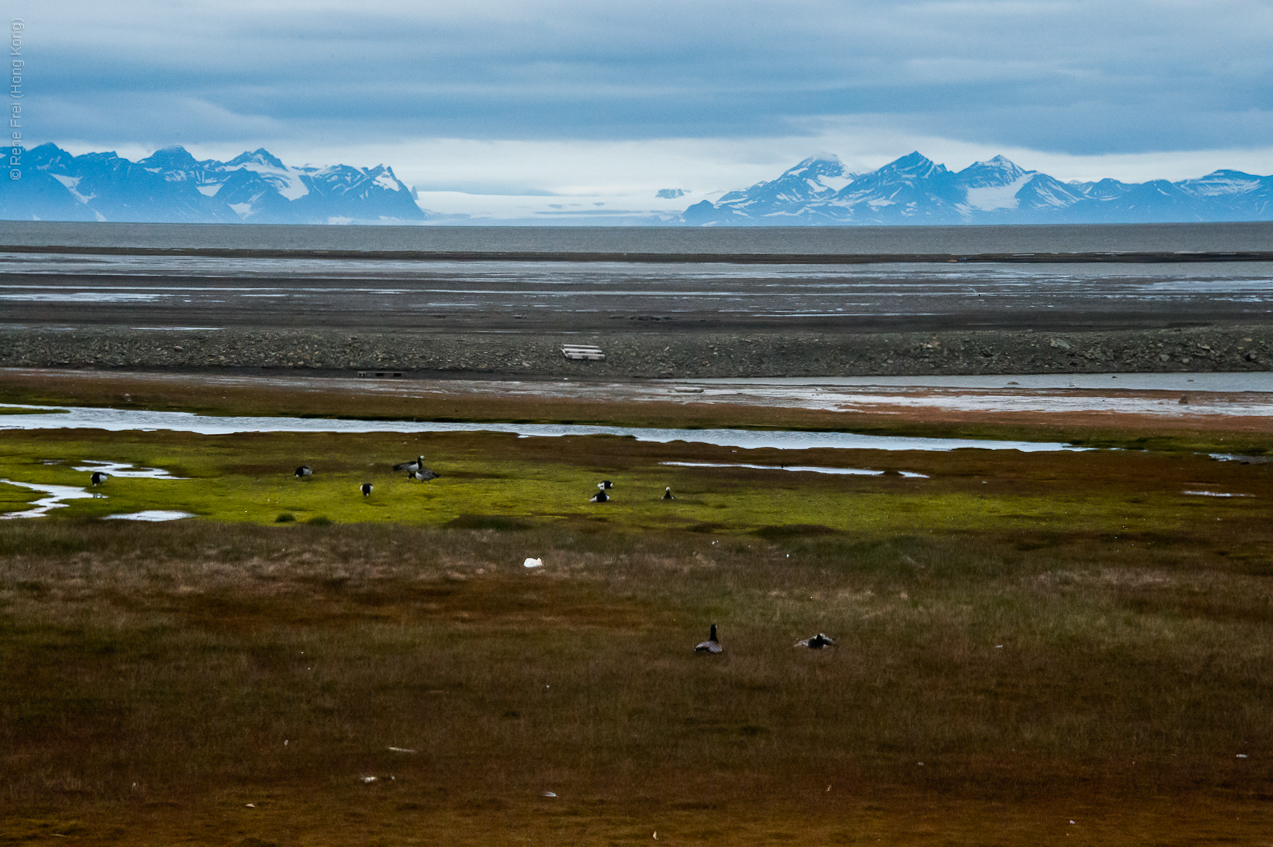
(642,355)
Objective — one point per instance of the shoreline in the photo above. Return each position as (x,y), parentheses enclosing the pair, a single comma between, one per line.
(663,257)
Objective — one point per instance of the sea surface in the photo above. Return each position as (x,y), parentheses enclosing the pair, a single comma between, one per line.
(582,278)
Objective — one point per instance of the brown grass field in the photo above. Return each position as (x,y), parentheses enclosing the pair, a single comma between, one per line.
(1051,648)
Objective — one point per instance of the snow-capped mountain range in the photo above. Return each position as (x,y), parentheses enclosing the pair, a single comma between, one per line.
(914,190)
(172,186)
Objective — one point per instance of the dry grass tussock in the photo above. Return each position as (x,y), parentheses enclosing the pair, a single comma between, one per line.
(155,664)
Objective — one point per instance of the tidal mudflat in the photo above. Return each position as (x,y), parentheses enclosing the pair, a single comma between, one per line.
(1031,647)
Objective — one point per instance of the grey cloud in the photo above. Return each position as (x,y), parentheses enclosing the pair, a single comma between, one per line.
(1075,76)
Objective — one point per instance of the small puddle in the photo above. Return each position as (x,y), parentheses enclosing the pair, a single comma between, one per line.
(1240,458)
(1213,494)
(152,515)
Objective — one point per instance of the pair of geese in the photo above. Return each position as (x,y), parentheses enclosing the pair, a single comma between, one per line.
(712,644)
(602,497)
(415,470)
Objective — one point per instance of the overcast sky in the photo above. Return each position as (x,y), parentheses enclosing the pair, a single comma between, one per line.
(590,99)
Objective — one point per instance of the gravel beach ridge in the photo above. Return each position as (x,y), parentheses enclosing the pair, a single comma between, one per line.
(644,355)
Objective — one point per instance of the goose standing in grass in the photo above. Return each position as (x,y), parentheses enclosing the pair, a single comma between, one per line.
(604,484)
(599,497)
(304,472)
(410,467)
(711,645)
(423,474)
(99,477)
(366,489)
(817,642)
(667,494)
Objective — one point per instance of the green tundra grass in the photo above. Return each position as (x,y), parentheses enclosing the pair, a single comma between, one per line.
(1032,648)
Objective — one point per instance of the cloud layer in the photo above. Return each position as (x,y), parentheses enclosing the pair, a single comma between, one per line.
(765,82)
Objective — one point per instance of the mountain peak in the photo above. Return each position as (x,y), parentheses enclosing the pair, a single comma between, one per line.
(49,155)
(175,156)
(998,171)
(823,164)
(915,164)
(259,156)
(1000,162)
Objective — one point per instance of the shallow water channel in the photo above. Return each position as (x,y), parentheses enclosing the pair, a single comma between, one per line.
(120,420)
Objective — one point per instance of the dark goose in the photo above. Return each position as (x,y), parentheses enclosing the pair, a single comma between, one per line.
(711,645)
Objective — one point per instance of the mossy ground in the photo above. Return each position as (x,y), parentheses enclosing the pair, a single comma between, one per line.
(249,478)
(1056,637)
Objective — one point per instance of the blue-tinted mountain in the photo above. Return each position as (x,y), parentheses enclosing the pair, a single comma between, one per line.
(914,190)
(793,195)
(910,190)
(171,186)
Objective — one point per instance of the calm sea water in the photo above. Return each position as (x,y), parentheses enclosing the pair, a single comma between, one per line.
(311,289)
(1218,237)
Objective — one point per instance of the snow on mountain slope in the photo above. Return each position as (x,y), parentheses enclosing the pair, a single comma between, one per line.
(1044,192)
(912,189)
(990,197)
(788,196)
(70,182)
(286,180)
(1222,183)
(998,171)
(992,185)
